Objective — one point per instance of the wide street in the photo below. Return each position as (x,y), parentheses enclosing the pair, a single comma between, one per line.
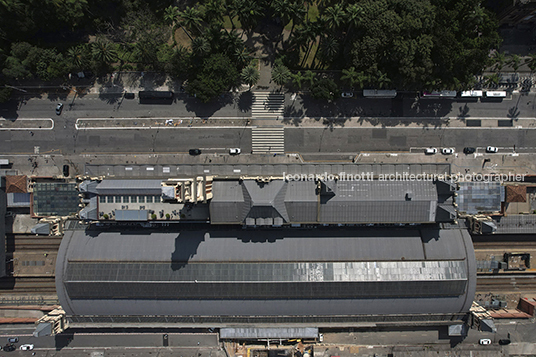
(302,135)
(106,105)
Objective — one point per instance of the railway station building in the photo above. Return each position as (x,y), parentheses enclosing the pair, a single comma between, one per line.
(321,277)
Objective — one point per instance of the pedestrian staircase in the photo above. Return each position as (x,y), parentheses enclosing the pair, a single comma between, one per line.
(268,140)
(267,105)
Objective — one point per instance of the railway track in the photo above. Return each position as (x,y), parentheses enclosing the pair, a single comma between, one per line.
(27,285)
(508,246)
(506,283)
(19,243)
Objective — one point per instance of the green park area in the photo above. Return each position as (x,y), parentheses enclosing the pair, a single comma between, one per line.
(215,45)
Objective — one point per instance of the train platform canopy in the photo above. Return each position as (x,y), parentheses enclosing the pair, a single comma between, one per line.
(279,202)
(220,276)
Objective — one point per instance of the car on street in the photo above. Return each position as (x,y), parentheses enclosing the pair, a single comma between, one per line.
(504,341)
(447,151)
(9,348)
(235,151)
(59,108)
(469,150)
(430,151)
(321,337)
(347,94)
(492,149)
(27,347)
(484,341)
(12,339)
(194,152)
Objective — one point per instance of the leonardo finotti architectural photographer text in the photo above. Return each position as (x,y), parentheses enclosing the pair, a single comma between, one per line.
(369,176)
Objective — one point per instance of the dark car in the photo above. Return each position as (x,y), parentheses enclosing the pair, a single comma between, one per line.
(59,108)
(504,341)
(9,348)
(468,150)
(129,96)
(66,170)
(194,152)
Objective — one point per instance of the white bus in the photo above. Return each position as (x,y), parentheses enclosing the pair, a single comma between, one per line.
(440,94)
(496,94)
(472,93)
(379,93)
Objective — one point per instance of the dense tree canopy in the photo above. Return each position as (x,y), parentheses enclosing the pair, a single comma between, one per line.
(404,44)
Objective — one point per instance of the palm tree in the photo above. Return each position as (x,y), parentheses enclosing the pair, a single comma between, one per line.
(334,16)
(309,76)
(280,75)
(329,46)
(354,13)
(191,18)
(232,8)
(249,13)
(297,14)
(297,79)
(232,41)
(171,14)
(309,31)
(213,11)
(498,58)
(514,61)
(103,51)
(241,55)
(77,56)
(250,76)
(200,46)
(382,80)
(350,76)
(531,62)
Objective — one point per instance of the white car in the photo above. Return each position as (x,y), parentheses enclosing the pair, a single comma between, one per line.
(447,151)
(485,341)
(235,151)
(430,151)
(492,149)
(27,347)
(347,94)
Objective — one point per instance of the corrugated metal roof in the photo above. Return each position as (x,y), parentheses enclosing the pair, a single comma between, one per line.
(129,187)
(512,224)
(342,202)
(399,255)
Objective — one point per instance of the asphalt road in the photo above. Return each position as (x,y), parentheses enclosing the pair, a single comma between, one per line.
(239,105)
(67,140)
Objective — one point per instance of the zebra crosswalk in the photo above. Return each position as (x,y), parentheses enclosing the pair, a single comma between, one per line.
(268,140)
(267,105)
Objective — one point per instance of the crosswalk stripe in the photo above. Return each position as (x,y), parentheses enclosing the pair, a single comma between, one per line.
(268,140)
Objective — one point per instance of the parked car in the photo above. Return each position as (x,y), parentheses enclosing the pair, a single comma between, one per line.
(59,108)
(468,150)
(430,151)
(9,348)
(504,341)
(66,170)
(447,151)
(27,347)
(485,341)
(347,94)
(194,152)
(235,151)
(492,149)
(321,337)
(12,339)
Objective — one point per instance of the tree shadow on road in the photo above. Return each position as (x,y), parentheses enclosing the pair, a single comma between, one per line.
(245,101)
(201,109)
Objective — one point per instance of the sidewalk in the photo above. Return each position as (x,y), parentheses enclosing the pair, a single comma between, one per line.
(332,123)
